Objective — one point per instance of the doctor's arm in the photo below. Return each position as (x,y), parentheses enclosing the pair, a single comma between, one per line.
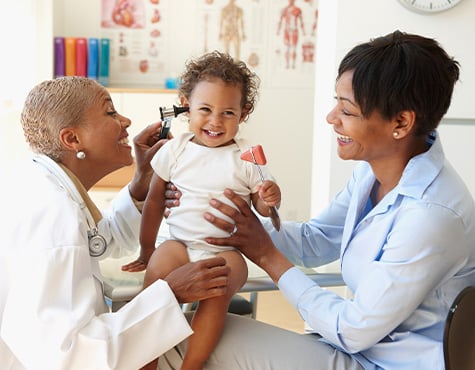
(146,144)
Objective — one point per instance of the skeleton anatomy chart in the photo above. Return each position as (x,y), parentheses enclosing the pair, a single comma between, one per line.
(152,39)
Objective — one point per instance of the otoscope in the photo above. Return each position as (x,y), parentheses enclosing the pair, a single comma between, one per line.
(166,115)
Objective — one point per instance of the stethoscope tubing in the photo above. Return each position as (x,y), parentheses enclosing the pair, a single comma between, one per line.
(97,243)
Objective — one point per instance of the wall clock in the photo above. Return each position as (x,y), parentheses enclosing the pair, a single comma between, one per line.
(429,6)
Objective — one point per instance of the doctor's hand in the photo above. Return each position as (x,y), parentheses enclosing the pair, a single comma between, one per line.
(199,280)
(146,144)
(172,197)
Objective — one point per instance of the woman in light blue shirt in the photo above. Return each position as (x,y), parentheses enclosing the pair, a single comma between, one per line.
(403,228)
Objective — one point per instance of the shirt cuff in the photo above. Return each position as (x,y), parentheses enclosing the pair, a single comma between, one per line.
(293,283)
(137,203)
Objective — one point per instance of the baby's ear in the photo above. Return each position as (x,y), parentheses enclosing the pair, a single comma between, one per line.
(184,101)
(245,113)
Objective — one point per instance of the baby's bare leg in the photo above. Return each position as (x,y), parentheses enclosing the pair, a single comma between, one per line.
(208,320)
(168,256)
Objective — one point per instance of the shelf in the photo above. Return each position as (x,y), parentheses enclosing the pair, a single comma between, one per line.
(116,180)
(140,90)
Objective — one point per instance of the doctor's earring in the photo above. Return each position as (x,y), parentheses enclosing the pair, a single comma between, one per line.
(80,155)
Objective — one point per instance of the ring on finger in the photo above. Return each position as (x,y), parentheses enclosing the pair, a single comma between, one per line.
(234,231)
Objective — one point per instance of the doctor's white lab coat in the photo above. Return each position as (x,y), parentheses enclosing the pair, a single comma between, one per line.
(52,310)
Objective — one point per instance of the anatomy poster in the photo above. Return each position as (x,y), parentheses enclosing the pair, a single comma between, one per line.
(152,39)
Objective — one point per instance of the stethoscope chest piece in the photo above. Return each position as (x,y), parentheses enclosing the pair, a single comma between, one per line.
(97,243)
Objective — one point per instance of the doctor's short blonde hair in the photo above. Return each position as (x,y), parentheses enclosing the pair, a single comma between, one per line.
(53,105)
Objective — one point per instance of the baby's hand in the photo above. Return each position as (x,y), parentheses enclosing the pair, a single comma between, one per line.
(140,264)
(269,192)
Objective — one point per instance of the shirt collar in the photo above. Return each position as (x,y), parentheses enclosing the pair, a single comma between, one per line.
(422,169)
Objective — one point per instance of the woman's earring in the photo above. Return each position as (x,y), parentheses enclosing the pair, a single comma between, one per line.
(395,134)
(80,155)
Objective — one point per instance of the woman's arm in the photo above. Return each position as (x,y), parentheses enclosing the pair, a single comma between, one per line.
(250,238)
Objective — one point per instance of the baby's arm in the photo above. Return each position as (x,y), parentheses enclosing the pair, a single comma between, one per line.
(268,196)
(152,215)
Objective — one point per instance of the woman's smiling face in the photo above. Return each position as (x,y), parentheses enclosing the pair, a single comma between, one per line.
(359,138)
(105,135)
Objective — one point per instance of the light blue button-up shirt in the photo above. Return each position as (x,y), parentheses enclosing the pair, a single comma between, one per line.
(404,260)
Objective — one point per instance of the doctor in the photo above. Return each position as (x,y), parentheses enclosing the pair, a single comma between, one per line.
(52,310)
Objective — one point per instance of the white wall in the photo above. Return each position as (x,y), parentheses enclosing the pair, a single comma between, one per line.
(345,23)
(282,121)
(25,34)
(284,118)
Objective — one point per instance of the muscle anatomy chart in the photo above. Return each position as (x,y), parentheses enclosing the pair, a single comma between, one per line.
(152,39)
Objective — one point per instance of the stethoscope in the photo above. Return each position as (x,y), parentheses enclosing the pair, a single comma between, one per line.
(97,243)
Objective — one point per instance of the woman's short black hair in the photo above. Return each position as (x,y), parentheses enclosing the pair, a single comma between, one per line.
(402,71)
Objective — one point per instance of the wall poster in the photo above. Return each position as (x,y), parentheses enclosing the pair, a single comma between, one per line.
(152,39)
